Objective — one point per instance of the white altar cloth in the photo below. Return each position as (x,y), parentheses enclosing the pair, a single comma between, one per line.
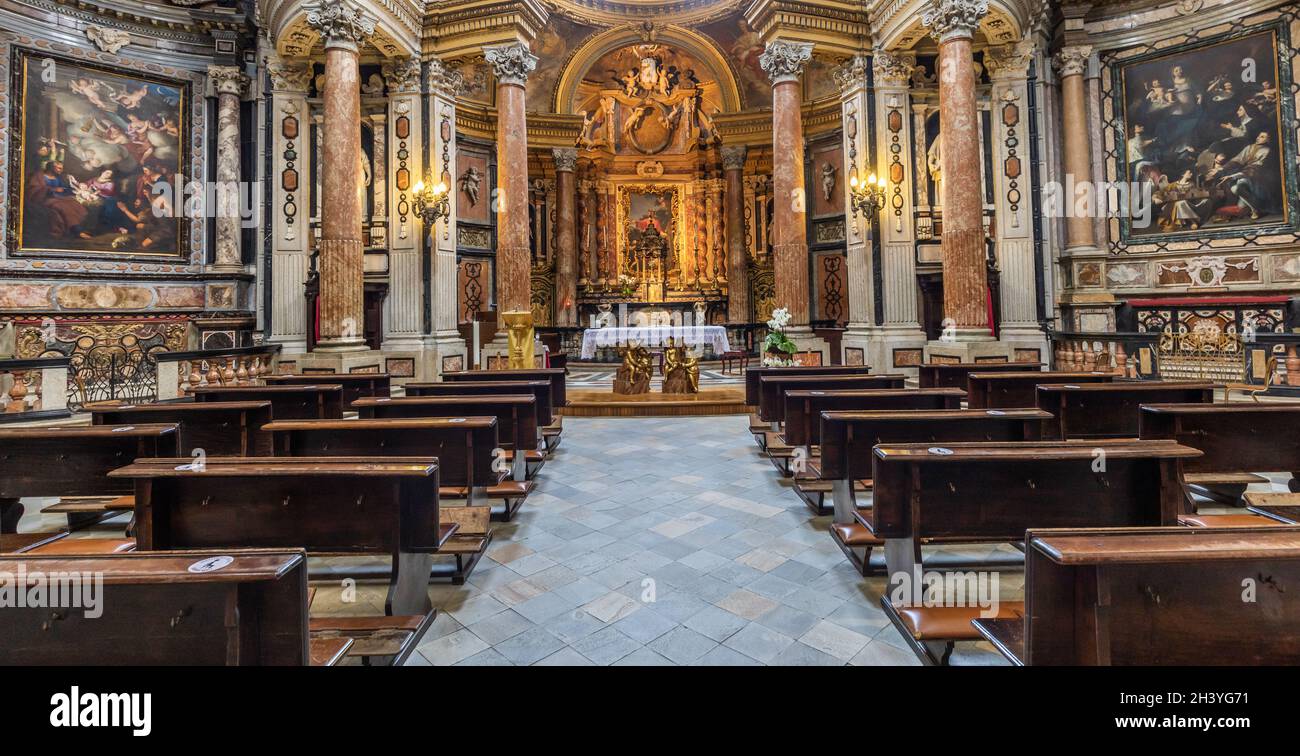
(654,336)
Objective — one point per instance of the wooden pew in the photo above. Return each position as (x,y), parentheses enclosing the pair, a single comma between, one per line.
(982,492)
(804,408)
(1155,597)
(1018,389)
(802,428)
(1239,440)
(463,447)
(196,608)
(541,391)
(516,416)
(323,401)
(552,431)
(849,437)
(753,375)
(75,461)
(771,401)
(355,385)
(953,374)
(327,505)
(1110,410)
(220,429)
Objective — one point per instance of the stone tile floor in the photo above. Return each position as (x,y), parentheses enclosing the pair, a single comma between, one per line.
(662,541)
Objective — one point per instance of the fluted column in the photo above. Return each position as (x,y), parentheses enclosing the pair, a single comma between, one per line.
(290,258)
(854,107)
(404,305)
(965,278)
(784,62)
(1070,63)
(512,64)
(229,82)
(733,167)
(1008,68)
(342,26)
(566,237)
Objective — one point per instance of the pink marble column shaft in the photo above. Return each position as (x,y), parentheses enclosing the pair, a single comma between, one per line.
(514,285)
(1077,153)
(566,240)
(965,277)
(737,274)
(789,213)
(341,255)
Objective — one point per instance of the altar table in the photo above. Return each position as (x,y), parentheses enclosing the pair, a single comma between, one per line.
(654,336)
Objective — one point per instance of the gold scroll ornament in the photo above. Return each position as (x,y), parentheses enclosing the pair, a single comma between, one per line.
(519,326)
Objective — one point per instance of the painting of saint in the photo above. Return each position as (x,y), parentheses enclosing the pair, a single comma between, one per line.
(100,155)
(651,215)
(1202,132)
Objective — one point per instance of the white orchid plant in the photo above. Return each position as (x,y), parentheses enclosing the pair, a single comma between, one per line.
(778,349)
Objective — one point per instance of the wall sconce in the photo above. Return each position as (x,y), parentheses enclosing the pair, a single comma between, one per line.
(866,198)
(433,203)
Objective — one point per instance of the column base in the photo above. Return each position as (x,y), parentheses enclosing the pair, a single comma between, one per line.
(887,349)
(227,268)
(985,350)
(803,338)
(334,346)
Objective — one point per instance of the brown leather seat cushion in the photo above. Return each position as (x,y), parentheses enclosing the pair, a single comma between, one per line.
(855,534)
(1226,521)
(951,622)
(85,546)
(509,489)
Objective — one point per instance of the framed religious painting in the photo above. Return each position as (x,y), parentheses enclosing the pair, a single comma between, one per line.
(650,252)
(1203,139)
(97,161)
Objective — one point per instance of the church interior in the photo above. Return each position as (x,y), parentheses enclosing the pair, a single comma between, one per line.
(650,332)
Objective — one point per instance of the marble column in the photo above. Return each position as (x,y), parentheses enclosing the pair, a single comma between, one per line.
(1070,63)
(965,277)
(783,62)
(229,83)
(566,237)
(733,167)
(343,27)
(511,64)
(290,253)
(442,86)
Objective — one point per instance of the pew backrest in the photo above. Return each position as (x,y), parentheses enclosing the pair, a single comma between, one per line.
(559,399)
(541,391)
(323,401)
(355,385)
(772,389)
(1236,437)
(997,491)
(516,414)
(1110,410)
(803,408)
(1018,389)
(198,608)
(953,374)
(221,429)
(848,437)
(76,460)
(755,374)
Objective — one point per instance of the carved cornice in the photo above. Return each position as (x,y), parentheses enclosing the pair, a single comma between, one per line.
(784,61)
(511,64)
(954,19)
(615,12)
(835,26)
(458,28)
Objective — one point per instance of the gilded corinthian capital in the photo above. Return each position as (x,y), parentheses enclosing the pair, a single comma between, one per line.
(954,19)
(339,22)
(510,63)
(784,61)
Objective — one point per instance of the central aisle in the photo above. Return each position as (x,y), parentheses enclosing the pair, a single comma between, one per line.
(661,541)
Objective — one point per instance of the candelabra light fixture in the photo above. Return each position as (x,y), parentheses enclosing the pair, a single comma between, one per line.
(867,197)
(433,203)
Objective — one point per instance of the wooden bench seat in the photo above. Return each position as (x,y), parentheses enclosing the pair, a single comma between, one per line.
(322,400)
(328,652)
(355,385)
(327,505)
(90,505)
(74,461)
(220,429)
(81,546)
(1155,597)
(953,374)
(1012,390)
(1226,521)
(373,636)
(933,631)
(1239,439)
(1111,410)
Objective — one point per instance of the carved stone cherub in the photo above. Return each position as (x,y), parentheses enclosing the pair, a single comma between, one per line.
(828,181)
(469,184)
